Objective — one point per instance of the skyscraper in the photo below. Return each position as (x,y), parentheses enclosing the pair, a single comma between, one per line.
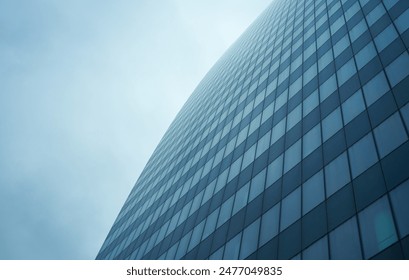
(294,145)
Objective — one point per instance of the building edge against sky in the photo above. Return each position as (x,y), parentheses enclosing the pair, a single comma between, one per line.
(294,145)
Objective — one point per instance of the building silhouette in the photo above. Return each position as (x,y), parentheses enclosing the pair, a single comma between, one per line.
(293,146)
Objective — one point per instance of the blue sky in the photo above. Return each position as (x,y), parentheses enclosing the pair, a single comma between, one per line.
(87,89)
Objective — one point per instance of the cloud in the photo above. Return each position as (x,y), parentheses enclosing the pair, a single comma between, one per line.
(87,89)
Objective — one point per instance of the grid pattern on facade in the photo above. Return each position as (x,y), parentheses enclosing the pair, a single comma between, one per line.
(295,145)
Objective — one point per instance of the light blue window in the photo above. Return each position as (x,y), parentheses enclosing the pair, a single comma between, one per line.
(283,75)
(390,134)
(358,30)
(341,45)
(310,103)
(310,74)
(225,211)
(377,227)
(317,251)
(385,37)
(268,112)
(296,63)
(182,249)
(257,184)
(218,255)
(353,106)
(231,251)
(400,198)
(269,224)
(365,55)
(241,198)
(263,144)
(324,60)
(281,100)
(398,69)
(292,156)
(274,171)
(278,131)
(375,14)
(290,209)
(323,37)
(337,174)
(344,241)
(402,22)
(328,87)
(210,225)
(294,117)
(313,192)
(309,51)
(405,114)
(346,72)
(375,88)
(295,87)
(331,124)
(337,25)
(334,8)
(311,140)
(390,3)
(248,157)
(362,155)
(196,235)
(255,124)
(250,239)
(352,11)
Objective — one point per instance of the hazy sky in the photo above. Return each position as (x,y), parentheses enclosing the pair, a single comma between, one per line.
(87,89)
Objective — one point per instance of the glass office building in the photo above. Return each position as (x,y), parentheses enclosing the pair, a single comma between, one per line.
(293,146)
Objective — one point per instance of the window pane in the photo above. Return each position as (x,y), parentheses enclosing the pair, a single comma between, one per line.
(274,171)
(376,14)
(362,155)
(218,255)
(291,209)
(294,117)
(385,38)
(375,88)
(398,69)
(390,134)
(402,22)
(337,174)
(313,192)
(250,239)
(225,211)
(365,55)
(269,224)
(346,72)
(344,241)
(241,198)
(353,106)
(278,131)
(400,198)
(405,114)
(317,251)
(257,184)
(311,140)
(377,228)
(210,225)
(331,124)
(341,45)
(196,235)
(231,252)
(292,156)
(310,103)
(327,88)
(358,30)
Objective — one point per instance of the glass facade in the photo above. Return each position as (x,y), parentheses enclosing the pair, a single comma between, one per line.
(294,145)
